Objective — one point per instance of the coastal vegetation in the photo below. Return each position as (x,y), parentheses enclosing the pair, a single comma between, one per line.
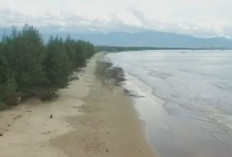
(30,67)
(120,48)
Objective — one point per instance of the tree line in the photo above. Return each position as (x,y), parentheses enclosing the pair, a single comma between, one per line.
(30,67)
(120,49)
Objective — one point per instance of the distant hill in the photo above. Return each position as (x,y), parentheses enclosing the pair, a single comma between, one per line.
(144,39)
(155,39)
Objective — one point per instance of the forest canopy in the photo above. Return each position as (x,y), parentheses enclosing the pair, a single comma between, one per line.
(30,67)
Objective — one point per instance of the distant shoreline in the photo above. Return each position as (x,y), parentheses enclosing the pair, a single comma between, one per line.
(119,48)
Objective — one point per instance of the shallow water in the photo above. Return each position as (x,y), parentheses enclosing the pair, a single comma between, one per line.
(185,99)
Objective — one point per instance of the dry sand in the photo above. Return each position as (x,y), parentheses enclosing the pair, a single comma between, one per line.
(89,119)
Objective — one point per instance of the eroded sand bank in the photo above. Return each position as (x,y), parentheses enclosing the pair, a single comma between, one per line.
(90,119)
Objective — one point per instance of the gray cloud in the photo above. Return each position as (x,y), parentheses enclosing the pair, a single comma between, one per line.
(194,17)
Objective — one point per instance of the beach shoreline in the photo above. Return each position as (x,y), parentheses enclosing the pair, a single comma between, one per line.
(92,117)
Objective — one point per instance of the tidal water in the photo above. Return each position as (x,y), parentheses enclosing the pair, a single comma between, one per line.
(184,97)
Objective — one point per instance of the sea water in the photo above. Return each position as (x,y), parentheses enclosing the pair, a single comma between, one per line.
(184,97)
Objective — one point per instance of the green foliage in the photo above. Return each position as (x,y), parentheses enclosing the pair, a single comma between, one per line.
(8,89)
(8,93)
(32,68)
(23,53)
(84,50)
(3,105)
(57,65)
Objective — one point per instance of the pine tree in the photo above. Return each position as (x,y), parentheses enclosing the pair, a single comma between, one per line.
(56,65)
(70,51)
(24,55)
(8,91)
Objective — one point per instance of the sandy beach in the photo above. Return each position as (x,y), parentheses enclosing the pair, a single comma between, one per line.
(88,119)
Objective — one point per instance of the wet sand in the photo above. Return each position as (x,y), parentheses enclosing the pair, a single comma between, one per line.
(91,118)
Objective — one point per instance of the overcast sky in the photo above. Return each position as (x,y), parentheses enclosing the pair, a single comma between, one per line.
(194,17)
